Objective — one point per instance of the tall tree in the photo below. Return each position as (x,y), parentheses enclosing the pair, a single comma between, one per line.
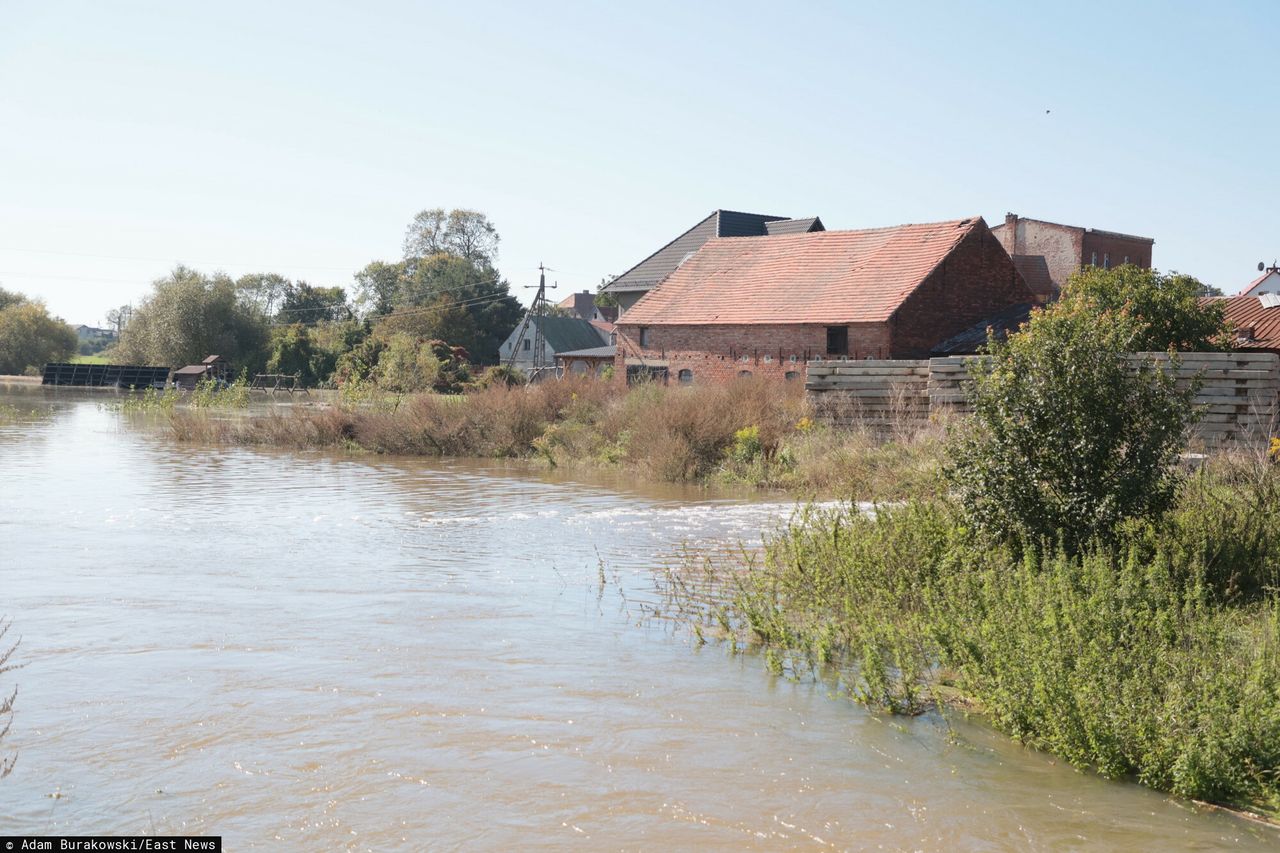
(263,291)
(29,336)
(376,287)
(449,298)
(309,305)
(190,315)
(466,233)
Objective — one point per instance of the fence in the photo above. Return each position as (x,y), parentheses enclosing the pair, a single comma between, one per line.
(1238,392)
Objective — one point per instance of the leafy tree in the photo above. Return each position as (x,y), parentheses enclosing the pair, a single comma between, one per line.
(190,315)
(466,233)
(605,298)
(310,305)
(29,336)
(263,291)
(1067,438)
(376,287)
(447,297)
(1166,307)
(294,351)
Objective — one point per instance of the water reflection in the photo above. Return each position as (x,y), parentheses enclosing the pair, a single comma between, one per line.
(310,651)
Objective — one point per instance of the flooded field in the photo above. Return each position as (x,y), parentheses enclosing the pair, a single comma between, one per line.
(306,651)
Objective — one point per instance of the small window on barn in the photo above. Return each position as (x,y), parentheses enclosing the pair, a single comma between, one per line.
(528,344)
(792,375)
(644,336)
(1093,259)
(794,359)
(1126,259)
(685,376)
(1106,260)
(744,372)
(837,340)
(768,359)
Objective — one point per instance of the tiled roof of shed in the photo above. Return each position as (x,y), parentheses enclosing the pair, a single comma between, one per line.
(1248,314)
(826,277)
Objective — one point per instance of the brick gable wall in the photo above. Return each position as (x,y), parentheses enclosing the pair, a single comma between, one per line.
(977,280)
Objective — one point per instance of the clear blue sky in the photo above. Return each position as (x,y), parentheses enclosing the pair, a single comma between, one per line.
(301,138)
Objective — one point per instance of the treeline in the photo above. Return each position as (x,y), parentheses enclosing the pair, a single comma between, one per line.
(419,323)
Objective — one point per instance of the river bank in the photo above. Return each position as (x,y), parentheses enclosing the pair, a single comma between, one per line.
(1154,658)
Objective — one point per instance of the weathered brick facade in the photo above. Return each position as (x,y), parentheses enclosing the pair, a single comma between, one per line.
(1066,249)
(975,280)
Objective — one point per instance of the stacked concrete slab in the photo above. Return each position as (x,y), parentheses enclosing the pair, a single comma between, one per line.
(1238,391)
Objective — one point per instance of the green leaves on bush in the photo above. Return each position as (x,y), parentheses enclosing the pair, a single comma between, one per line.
(1070,435)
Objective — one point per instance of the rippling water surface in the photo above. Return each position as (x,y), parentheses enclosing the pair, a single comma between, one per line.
(303,651)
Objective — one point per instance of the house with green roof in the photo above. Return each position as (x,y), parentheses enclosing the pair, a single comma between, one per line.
(559,335)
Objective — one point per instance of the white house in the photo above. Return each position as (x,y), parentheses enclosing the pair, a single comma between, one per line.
(1268,282)
(559,335)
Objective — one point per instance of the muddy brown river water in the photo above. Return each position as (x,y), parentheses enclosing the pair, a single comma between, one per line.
(318,652)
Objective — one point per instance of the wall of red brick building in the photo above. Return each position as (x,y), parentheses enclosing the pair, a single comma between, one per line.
(720,353)
(976,280)
(1111,250)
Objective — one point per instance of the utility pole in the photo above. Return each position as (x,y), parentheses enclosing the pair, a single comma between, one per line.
(537,312)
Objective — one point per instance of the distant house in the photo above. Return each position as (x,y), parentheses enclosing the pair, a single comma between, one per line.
(1268,282)
(92,334)
(214,367)
(644,276)
(583,306)
(766,305)
(559,335)
(1047,253)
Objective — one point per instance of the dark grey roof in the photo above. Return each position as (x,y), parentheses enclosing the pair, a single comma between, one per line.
(794,226)
(721,223)
(973,338)
(569,333)
(1035,272)
(594,352)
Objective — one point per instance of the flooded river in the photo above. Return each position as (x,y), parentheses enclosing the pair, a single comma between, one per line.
(317,652)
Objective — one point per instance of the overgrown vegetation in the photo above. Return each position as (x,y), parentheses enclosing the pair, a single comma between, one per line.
(6,701)
(1072,583)
(752,431)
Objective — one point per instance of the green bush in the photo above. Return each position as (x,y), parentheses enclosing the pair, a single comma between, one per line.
(1068,438)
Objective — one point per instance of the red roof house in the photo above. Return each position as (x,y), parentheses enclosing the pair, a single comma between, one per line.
(768,304)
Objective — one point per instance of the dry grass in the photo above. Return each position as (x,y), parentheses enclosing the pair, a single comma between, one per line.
(752,430)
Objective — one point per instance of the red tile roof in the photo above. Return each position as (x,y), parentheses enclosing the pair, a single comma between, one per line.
(829,277)
(1251,318)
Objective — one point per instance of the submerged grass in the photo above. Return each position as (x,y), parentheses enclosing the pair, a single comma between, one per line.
(752,431)
(1155,658)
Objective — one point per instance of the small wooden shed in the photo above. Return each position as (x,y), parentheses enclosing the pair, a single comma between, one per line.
(212,367)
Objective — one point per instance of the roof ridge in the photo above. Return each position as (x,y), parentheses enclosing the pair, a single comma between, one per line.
(971,220)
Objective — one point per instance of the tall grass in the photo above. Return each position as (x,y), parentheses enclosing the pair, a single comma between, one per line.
(749,431)
(1154,658)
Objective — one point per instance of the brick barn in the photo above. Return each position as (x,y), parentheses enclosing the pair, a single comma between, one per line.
(767,305)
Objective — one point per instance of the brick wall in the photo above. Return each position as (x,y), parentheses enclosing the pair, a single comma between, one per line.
(1115,249)
(720,353)
(975,281)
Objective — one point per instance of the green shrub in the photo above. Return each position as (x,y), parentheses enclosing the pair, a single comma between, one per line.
(1068,439)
